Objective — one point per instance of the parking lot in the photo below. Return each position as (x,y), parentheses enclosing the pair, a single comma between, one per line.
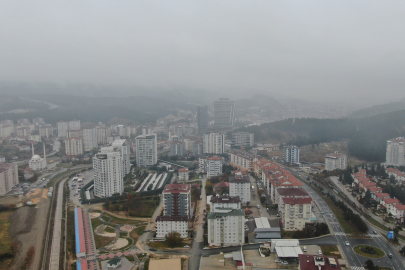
(87,177)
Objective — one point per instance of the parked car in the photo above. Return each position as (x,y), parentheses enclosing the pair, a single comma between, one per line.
(205,255)
(284,262)
(278,261)
(186,246)
(320,252)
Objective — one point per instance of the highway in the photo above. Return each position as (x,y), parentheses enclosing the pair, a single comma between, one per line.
(355,261)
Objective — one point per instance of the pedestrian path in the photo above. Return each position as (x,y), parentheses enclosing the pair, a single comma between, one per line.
(119,254)
(357,268)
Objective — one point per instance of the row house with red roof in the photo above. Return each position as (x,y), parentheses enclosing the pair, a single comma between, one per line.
(398,212)
(379,196)
(243,160)
(399,176)
(388,203)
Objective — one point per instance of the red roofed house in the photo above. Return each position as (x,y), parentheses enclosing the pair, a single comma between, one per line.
(366,184)
(380,196)
(399,176)
(389,203)
(318,262)
(397,212)
(296,212)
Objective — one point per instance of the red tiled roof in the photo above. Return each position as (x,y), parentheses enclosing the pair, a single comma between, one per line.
(293,201)
(369,184)
(177,188)
(382,195)
(214,158)
(375,189)
(391,201)
(222,185)
(292,192)
(183,170)
(307,262)
(400,206)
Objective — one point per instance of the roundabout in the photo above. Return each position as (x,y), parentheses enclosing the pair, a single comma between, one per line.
(369,251)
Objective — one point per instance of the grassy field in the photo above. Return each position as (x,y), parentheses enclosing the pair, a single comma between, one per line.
(6,240)
(108,229)
(331,251)
(116,220)
(102,241)
(163,245)
(135,233)
(95,222)
(379,253)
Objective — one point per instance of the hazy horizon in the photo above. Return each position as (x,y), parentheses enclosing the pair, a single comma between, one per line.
(313,50)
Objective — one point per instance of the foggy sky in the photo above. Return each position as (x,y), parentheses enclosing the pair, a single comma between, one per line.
(313,49)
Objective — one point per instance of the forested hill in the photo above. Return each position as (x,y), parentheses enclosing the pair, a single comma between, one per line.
(378,109)
(367,136)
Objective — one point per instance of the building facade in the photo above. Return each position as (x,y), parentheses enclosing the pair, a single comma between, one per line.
(177,200)
(122,146)
(202,119)
(226,227)
(224,113)
(213,143)
(335,161)
(239,185)
(89,139)
(213,166)
(243,160)
(63,128)
(183,174)
(74,146)
(108,177)
(146,150)
(297,212)
(166,225)
(395,154)
(243,139)
(8,177)
(291,154)
(219,202)
(45,130)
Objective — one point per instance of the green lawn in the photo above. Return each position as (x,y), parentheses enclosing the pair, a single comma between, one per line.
(108,229)
(331,251)
(6,240)
(102,241)
(379,253)
(163,245)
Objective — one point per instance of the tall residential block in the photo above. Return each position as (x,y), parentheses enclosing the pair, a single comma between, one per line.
(395,154)
(146,150)
(177,200)
(335,161)
(63,128)
(291,154)
(213,143)
(8,177)
(108,177)
(123,148)
(45,130)
(202,119)
(243,139)
(89,139)
(226,227)
(74,146)
(224,113)
(74,124)
(239,185)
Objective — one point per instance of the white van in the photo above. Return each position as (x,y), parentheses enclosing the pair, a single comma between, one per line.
(305,248)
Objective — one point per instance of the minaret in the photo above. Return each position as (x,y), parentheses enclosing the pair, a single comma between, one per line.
(44,154)
(32,148)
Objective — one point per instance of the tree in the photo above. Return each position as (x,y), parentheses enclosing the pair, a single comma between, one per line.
(367,197)
(173,239)
(370,265)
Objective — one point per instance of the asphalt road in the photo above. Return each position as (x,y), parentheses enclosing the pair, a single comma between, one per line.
(353,259)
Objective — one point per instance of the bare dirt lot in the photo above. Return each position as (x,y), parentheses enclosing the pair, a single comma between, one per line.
(28,225)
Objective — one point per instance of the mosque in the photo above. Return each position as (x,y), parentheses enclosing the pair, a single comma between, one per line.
(37,163)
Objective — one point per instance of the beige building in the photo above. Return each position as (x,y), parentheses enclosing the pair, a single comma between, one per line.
(75,133)
(335,161)
(74,146)
(296,212)
(243,160)
(8,177)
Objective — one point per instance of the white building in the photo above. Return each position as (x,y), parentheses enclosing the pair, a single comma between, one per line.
(146,150)
(37,163)
(6,130)
(8,177)
(108,177)
(297,212)
(183,174)
(395,154)
(177,200)
(63,128)
(291,154)
(46,130)
(226,227)
(212,166)
(123,147)
(166,224)
(74,146)
(89,139)
(243,160)
(239,185)
(213,143)
(335,161)
(218,202)
(243,139)
(74,124)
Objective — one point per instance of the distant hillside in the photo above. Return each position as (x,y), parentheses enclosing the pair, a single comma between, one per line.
(378,109)
(13,104)
(367,136)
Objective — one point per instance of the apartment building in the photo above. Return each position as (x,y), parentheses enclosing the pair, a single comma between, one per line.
(212,166)
(177,148)
(224,113)
(74,146)
(74,125)
(63,128)
(146,150)
(38,121)
(108,176)
(243,139)
(291,154)
(296,212)
(239,185)
(202,119)
(103,133)
(89,139)
(335,161)
(213,143)
(75,133)
(177,200)
(219,202)
(243,160)
(395,153)
(122,146)
(226,227)
(8,177)
(6,130)
(183,174)
(167,224)
(45,130)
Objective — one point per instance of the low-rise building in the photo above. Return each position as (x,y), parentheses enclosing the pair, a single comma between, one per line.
(318,262)
(183,174)
(335,161)
(243,160)
(218,202)
(168,224)
(397,212)
(226,227)
(389,203)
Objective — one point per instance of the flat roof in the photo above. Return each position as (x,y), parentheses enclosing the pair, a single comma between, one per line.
(288,252)
(262,222)
(177,188)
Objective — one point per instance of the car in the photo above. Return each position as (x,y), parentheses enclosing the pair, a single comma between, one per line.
(186,246)
(205,255)
(284,262)
(320,252)
(389,255)
(278,261)
(374,232)
(347,243)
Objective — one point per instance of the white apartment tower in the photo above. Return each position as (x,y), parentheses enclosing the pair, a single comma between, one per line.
(146,150)
(239,185)
(63,129)
(335,161)
(291,154)
(243,139)
(74,124)
(74,146)
(395,155)
(224,113)
(89,139)
(213,143)
(122,146)
(226,227)
(108,177)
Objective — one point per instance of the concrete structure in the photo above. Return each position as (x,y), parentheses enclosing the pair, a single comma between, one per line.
(243,139)
(243,160)
(177,148)
(197,148)
(177,200)
(224,113)
(6,130)
(45,130)
(122,146)
(78,133)
(146,150)
(319,262)
(108,173)
(37,163)
(213,143)
(63,127)
(89,139)
(74,125)
(226,227)
(218,202)
(103,133)
(74,146)
(202,119)
(38,121)
(291,154)
(8,177)
(395,154)
(335,161)
(212,166)
(183,174)
(168,224)
(296,212)
(239,185)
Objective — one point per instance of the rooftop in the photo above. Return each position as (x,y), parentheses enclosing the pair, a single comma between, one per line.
(239,179)
(174,218)
(225,199)
(230,212)
(177,188)
(311,262)
(292,192)
(293,201)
